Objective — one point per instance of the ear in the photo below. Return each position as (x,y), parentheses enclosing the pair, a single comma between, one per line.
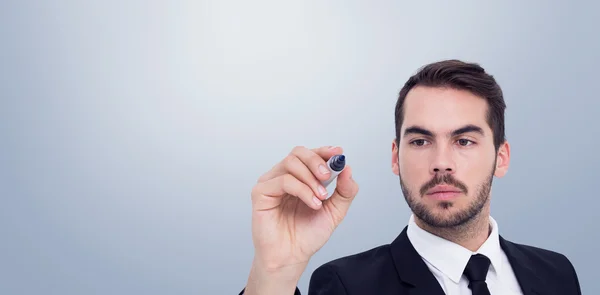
(395,167)
(503,159)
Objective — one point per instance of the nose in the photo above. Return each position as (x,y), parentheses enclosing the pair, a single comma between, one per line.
(443,161)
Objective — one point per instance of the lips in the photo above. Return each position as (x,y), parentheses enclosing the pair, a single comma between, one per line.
(440,189)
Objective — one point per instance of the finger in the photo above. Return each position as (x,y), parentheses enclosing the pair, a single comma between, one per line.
(345,192)
(324,153)
(316,161)
(298,168)
(267,195)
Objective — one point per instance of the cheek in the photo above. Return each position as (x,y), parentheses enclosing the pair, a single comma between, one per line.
(464,160)
(472,167)
(471,161)
(414,166)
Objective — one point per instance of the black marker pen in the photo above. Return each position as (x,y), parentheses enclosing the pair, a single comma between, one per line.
(336,165)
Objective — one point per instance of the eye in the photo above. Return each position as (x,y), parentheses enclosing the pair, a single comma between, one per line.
(465,142)
(419,142)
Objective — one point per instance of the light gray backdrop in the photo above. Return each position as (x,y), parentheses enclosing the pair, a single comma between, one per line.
(131,132)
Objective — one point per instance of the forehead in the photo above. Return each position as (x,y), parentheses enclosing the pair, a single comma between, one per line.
(443,109)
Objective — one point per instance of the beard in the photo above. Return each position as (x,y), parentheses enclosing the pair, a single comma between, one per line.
(482,194)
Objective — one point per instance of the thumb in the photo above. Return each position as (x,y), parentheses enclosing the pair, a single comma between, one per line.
(345,191)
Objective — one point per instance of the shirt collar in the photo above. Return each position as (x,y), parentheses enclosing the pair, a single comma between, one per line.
(448,257)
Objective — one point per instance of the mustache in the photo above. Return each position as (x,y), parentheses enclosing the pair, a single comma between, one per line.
(447,179)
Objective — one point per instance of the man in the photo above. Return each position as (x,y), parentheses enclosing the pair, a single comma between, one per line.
(449,145)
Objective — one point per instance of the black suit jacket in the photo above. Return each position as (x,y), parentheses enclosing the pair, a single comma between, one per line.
(398,269)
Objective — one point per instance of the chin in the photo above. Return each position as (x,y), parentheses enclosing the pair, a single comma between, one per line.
(442,206)
(442,214)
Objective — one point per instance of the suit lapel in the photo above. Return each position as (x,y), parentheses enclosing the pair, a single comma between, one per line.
(530,282)
(411,269)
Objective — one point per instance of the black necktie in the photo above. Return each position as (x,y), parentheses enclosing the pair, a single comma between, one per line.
(476,271)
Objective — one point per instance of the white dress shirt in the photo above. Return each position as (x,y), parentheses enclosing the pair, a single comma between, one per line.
(447,261)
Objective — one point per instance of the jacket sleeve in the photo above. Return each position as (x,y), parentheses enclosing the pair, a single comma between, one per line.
(577,286)
(297,292)
(326,281)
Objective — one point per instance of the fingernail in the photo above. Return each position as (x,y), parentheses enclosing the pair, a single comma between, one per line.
(323,169)
(332,147)
(317,201)
(322,190)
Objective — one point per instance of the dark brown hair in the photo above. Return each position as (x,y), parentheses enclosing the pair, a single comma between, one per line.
(459,75)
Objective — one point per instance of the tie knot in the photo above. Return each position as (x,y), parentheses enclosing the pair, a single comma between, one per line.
(477,268)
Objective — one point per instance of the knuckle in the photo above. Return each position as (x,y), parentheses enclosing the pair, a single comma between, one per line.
(355,190)
(348,193)
(287,181)
(256,191)
(262,178)
(307,190)
(288,161)
(326,148)
(307,193)
(342,192)
(317,160)
(297,149)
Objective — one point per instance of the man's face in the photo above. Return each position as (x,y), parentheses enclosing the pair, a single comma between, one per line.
(446,157)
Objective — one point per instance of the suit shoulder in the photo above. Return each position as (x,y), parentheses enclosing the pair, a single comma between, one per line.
(361,273)
(543,256)
(364,267)
(551,264)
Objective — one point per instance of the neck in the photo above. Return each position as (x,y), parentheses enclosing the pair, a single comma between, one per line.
(471,235)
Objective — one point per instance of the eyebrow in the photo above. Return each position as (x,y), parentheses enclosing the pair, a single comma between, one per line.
(459,131)
(417,130)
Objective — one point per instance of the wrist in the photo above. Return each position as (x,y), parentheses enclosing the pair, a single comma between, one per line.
(273,280)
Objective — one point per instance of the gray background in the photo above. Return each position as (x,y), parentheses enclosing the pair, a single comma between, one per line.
(131,132)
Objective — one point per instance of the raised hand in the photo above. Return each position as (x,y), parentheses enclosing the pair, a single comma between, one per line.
(292,218)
